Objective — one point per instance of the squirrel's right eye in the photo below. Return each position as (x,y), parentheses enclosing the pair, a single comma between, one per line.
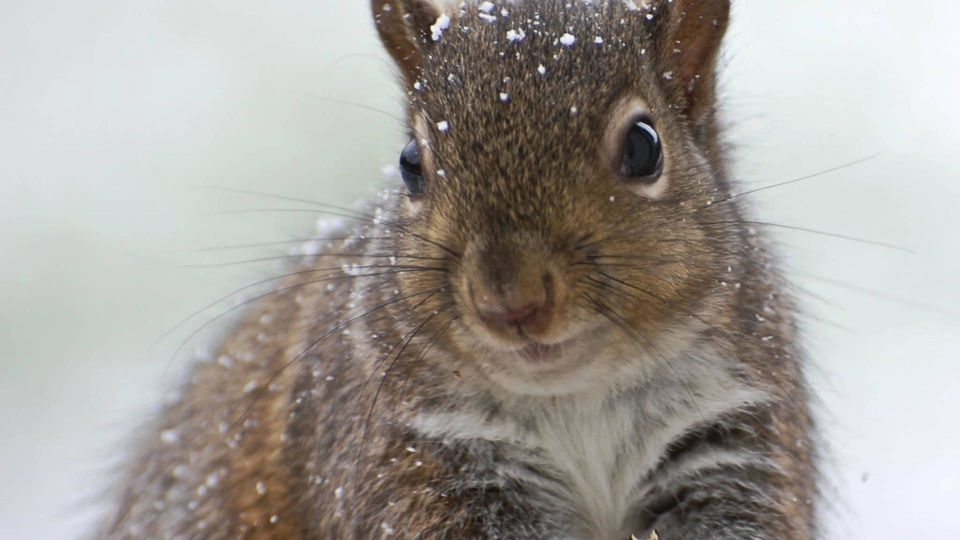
(642,153)
(411,170)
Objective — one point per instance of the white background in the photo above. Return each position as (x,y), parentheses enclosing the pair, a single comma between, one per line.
(114,115)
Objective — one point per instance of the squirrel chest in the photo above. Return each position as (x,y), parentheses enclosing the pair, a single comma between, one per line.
(595,455)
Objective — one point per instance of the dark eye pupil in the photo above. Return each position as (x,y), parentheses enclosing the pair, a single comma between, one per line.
(410,168)
(642,154)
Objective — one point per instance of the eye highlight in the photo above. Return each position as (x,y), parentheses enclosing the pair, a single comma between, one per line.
(411,168)
(642,154)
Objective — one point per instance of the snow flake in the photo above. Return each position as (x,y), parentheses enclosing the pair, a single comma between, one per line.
(516,36)
(437,28)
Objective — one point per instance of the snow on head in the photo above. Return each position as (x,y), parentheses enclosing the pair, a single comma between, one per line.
(516,35)
(437,28)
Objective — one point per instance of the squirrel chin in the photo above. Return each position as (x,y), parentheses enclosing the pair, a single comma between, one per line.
(568,367)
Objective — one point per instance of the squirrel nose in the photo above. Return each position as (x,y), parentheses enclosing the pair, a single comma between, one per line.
(523,303)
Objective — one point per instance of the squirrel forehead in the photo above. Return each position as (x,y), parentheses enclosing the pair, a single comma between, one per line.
(547,57)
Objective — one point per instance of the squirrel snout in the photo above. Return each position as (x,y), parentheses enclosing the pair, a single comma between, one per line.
(525,301)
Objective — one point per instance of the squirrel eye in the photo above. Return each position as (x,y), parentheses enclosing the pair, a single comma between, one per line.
(411,170)
(642,153)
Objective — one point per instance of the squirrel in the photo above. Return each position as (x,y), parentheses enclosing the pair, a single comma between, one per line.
(558,325)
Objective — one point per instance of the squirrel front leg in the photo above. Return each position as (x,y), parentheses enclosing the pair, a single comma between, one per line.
(733,501)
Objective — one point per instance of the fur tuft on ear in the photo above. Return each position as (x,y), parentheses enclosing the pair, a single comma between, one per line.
(405,30)
(688,52)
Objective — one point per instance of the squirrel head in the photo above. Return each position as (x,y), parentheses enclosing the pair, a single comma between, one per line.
(562,162)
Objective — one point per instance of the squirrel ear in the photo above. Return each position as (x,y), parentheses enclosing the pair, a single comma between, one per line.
(688,52)
(404,27)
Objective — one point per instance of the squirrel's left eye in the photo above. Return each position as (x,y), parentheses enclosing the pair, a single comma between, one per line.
(411,169)
(642,157)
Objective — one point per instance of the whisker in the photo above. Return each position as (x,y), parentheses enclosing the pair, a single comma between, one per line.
(298,256)
(423,353)
(255,284)
(450,251)
(727,335)
(242,211)
(274,243)
(324,336)
(286,242)
(360,106)
(814,231)
(396,357)
(273,292)
(881,295)
(642,259)
(600,285)
(611,315)
(384,63)
(395,345)
(800,179)
(400,121)
(284,198)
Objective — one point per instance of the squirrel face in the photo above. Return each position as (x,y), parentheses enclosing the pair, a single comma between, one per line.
(560,178)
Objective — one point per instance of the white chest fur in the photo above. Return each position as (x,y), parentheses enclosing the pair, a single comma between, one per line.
(600,445)
(600,451)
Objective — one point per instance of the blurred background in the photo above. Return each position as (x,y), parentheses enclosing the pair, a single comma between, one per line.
(127,129)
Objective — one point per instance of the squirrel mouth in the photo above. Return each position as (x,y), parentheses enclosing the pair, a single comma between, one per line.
(540,352)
